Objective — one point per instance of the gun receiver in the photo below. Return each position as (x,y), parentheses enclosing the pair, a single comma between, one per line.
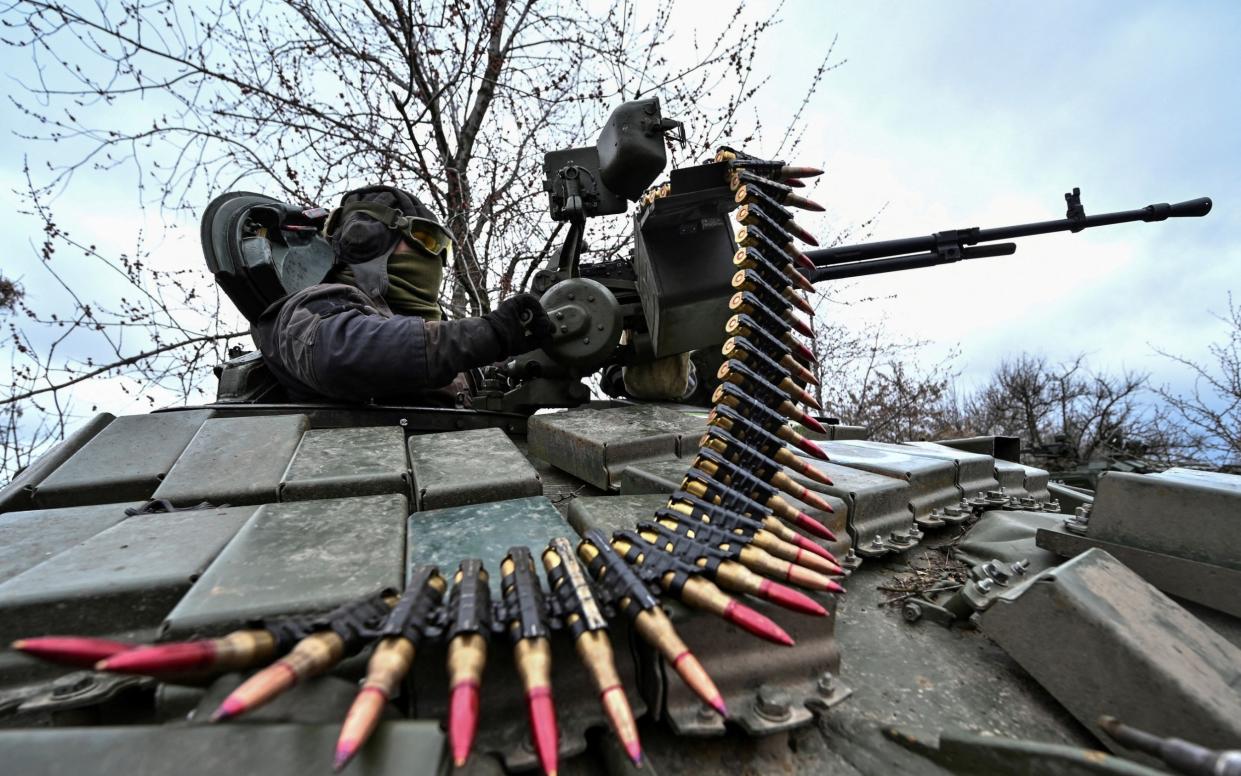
(848,261)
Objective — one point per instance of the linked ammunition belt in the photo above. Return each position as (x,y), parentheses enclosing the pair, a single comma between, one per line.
(728,528)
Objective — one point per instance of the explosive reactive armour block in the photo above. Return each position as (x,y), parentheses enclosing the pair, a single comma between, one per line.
(1176,530)
(1137,510)
(345,462)
(975,471)
(124,578)
(932,481)
(1103,641)
(304,556)
(485,531)
(469,467)
(29,538)
(658,476)
(404,748)
(19,493)
(124,462)
(235,461)
(875,508)
(596,445)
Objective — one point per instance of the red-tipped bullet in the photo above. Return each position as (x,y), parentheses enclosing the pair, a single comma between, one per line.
(755,622)
(162,659)
(794,183)
(462,720)
(543,727)
(808,523)
(814,499)
(363,718)
(811,448)
(795,229)
(801,350)
(790,598)
(696,677)
(805,468)
(800,171)
(80,651)
(260,688)
(230,708)
(800,325)
(809,546)
(810,423)
(797,201)
(800,257)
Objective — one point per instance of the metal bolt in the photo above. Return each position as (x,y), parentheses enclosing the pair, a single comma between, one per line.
(564,328)
(773,704)
(911,611)
(590,298)
(404,422)
(706,713)
(826,684)
(585,340)
(572,297)
(599,327)
(559,315)
(985,585)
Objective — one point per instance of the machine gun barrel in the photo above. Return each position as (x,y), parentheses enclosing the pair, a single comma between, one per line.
(945,247)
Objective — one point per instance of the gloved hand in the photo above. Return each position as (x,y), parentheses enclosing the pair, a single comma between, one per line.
(521,323)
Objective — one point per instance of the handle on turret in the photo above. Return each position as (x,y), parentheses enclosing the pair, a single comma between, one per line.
(1194,208)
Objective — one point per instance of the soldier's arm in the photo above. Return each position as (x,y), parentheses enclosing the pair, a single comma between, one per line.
(356,354)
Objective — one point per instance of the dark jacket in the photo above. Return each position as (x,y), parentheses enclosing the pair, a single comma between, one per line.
(331,341)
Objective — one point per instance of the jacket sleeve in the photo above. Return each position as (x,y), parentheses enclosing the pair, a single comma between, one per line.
(357,355)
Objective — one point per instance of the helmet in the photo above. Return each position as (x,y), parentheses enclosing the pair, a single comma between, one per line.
(368,225)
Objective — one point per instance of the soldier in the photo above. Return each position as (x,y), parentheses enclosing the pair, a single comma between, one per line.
(373,330)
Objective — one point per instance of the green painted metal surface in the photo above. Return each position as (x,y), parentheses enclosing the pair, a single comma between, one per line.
(29,538)
(125,461)
(343,462)
(469,467)
(303,556)
(124,578)
(446,536)
(234,461)
(404,748)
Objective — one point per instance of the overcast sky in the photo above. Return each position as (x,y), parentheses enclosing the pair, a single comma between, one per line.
(956,114)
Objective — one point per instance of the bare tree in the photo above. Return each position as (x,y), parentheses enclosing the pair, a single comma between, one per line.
(1211,409)
(1067,415)
(455,100)
(868,377)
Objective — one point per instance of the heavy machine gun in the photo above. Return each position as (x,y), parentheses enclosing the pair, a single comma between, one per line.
(669,297)
(847,261)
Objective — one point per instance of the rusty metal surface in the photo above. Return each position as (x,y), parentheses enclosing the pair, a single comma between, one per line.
(1103,641)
